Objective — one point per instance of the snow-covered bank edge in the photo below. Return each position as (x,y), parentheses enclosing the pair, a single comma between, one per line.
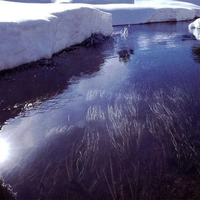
(27,36)
(195,24)
(49,63)
(194,28)
(144,11)
(142,14)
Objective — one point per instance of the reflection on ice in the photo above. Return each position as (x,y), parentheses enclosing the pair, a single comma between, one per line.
(4,150)
(195,32)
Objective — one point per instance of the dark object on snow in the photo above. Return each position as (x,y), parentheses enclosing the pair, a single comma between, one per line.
(6,192)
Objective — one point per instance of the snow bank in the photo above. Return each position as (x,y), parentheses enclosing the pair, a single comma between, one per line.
(187,4)
(196,33)
(31,1)
(139,14)
(145,11)
(97,1)
(194,28)
(35,31)
(75,1)
(197,2)
(195,24)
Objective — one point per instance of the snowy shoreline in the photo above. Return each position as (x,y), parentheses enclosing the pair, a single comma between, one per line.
(143,11)
(135,14)
(36,31)
(33,31)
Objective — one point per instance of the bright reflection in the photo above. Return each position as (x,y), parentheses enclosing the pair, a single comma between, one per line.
(143,42)
(4,150)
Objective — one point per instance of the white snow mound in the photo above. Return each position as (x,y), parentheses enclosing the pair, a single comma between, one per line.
(195,32)
(146,11)
(95,1)
(195,24)
(30,32)
(140,14)
(197,2)
(194,28)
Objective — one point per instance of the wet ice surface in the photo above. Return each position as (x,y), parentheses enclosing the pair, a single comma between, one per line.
(110,121)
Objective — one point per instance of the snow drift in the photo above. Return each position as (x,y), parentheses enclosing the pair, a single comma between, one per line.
(76,1)
(194,28)
(140,14)
(145,11)
(96,1)
(151,12)
(36,31)
(195,24)
(196,33)
(197,2)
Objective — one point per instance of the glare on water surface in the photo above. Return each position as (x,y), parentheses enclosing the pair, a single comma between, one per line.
(4,150)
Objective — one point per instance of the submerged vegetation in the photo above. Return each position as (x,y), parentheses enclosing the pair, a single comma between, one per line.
(144,144)
(138,141)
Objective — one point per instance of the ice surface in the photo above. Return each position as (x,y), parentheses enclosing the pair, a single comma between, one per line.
(33,31)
